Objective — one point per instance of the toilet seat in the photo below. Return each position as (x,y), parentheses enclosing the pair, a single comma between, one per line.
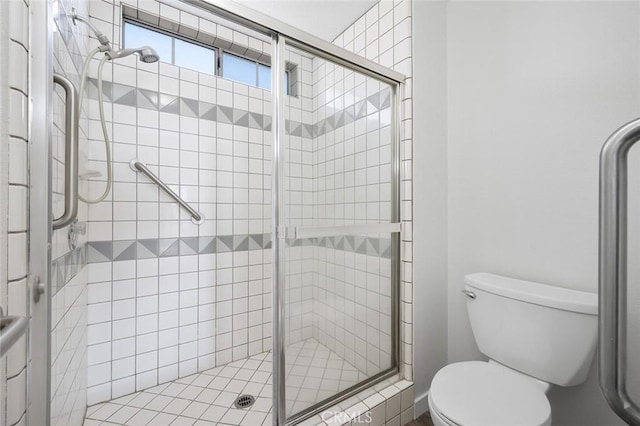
(477,393)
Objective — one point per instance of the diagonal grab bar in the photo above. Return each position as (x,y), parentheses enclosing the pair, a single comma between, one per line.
(612,321)
(138,166)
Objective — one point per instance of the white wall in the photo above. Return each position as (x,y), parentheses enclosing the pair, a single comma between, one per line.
(534,89)
(430,194)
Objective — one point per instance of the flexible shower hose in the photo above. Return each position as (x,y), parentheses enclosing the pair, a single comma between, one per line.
(105,133)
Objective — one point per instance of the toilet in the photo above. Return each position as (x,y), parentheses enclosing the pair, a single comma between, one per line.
(534,335)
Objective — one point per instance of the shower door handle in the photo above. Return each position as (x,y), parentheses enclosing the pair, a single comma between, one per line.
(612,307)
(70,153)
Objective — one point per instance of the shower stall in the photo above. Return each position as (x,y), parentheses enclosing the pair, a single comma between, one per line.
(250,260)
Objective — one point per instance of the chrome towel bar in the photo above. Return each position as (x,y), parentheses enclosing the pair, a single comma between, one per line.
(298,232)
(138,166)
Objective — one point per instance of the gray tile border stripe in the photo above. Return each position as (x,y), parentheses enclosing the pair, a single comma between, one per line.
(106,251)
(148,99)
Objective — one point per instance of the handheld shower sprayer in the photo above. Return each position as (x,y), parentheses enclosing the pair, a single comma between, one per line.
(146,54)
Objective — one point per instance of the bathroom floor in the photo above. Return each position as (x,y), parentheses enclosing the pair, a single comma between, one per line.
(423,420)
(207,398)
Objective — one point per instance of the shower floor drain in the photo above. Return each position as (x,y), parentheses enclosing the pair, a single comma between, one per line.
(244,401)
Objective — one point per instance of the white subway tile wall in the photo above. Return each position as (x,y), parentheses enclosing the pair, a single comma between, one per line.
(168,298)
(352,185)
(298,164)
(69,265)
(14,204)
(383,35)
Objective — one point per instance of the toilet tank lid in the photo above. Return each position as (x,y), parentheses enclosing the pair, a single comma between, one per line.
(536,293)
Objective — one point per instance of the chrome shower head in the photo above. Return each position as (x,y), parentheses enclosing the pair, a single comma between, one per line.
(147,54)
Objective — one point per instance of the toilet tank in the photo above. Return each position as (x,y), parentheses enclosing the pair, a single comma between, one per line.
(544,331)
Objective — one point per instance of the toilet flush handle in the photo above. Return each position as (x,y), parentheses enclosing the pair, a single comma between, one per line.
(469,294)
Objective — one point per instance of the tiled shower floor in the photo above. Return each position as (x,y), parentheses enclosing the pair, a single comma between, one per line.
(313,373)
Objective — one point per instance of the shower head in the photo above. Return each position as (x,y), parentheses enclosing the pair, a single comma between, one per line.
(147,54)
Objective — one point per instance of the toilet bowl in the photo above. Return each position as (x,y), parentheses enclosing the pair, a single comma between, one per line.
(535,336)
(478,393)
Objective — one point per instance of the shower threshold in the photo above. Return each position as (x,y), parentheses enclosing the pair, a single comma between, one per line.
(314,373)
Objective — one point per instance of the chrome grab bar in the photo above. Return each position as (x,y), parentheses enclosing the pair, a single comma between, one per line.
(138,166)
(612,321)
(70,153)
(298,232)
(11,330)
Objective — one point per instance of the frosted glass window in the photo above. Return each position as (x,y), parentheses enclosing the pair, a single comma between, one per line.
(204,59)
(264,77)
(195,57)
(239,69)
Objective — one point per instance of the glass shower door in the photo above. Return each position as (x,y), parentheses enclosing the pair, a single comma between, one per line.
(342,231)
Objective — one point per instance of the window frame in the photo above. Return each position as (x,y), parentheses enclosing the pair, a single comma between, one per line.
(219,53)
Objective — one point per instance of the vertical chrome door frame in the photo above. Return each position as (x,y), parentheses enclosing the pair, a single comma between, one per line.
(612,310)
(40,215)
(396,260)
(396,237)
(278,242)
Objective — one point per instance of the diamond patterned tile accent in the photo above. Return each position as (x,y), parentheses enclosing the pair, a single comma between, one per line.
(99,250)
(124,95)
(189,107)
(128,95)
(207,245)
(169,247)
(124,250)
(164,100)
(224,244)
(225,114)
(256,120)
(147,99)
(240,243)
(150,245)
(240,118)
(208,111)
(255,241)
(171,107)
(105,251)
(188,246)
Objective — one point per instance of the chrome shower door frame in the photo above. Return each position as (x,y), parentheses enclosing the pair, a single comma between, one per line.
(40,212)
(360,66)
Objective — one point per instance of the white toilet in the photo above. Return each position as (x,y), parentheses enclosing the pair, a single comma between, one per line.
(534,334)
